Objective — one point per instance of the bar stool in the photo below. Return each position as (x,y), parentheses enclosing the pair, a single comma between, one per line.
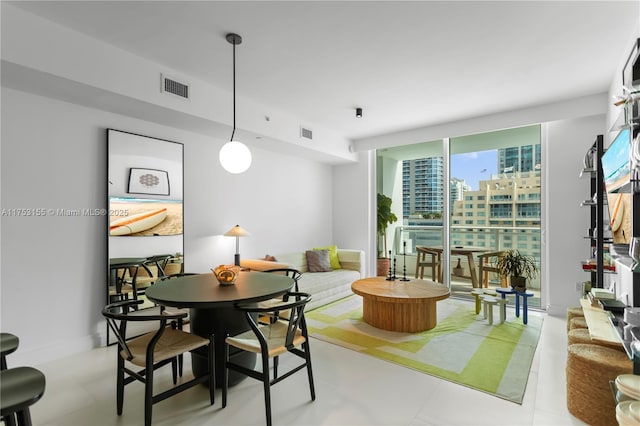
(20,388)
(8,344)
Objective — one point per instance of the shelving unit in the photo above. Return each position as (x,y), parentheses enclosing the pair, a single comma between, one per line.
(595,265)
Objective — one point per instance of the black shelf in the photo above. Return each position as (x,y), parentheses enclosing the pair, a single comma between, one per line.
(596,203)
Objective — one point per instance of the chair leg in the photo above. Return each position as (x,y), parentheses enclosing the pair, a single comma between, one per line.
(148,395)
(174,370)
(225,375)
(307,355)
(120,385)
(212,372)
(267,388)
(275,367)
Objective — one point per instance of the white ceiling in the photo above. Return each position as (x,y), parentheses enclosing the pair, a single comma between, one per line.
(406,63)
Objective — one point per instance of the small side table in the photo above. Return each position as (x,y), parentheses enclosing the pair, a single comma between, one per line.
(477,293)
(525,296)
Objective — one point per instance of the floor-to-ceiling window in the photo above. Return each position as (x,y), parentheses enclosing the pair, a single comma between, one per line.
(490,186)
(413,176)
(498,206)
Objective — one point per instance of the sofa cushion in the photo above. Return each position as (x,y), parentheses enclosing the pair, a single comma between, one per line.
(318,260)
(333,256)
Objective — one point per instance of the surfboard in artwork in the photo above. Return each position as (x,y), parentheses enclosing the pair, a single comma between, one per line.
(138,222)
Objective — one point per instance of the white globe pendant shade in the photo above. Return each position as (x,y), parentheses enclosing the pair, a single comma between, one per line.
(235,157)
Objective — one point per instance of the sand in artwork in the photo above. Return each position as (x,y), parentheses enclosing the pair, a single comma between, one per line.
(621,235)
(171,225)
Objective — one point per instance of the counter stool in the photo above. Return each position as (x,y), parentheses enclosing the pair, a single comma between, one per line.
(572,312)
(8,344)
(589,370)
(488,302)
(577,322)
(20,387)
(477,293)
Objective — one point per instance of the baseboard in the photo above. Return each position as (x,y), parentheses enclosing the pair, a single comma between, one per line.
(35,356)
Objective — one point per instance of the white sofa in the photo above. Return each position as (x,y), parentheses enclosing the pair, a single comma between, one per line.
(325,287)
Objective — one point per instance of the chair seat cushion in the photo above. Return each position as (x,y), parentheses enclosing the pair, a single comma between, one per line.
(171,344)
(275,335)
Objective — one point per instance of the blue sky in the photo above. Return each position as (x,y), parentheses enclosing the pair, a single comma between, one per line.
(474,166)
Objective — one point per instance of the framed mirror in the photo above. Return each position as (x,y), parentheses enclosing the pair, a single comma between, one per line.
(145,201)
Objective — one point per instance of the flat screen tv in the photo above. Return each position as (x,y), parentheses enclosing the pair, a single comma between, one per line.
(616,164)
(616,169)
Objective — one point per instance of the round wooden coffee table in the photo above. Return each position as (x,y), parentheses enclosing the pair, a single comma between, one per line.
(405,306)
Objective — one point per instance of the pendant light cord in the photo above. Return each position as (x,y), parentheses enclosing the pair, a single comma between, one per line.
(234,92)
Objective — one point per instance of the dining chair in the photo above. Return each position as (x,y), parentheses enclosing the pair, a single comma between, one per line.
(270,341)
(428,258)
(289,272)
(487,262)
(268,318)
(123,281)
(148,272)
(170,310)
(152,351)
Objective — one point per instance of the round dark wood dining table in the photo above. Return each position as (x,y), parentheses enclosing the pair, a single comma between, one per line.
(212,311)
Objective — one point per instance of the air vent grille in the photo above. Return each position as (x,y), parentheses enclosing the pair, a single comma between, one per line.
(306,133)
(174,87)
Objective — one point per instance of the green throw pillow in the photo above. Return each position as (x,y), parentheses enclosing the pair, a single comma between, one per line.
(333,256)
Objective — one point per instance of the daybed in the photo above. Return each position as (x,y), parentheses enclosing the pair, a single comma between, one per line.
(325,287)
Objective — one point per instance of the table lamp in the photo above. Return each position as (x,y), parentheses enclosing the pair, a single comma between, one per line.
(237,232)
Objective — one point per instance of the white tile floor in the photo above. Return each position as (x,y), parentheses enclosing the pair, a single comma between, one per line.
(352,389)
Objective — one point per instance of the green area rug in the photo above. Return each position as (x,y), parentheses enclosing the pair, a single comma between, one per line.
(462,348)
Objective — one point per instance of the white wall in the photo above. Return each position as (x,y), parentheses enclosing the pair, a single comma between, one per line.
(566,223)
(54,269)
(354,201)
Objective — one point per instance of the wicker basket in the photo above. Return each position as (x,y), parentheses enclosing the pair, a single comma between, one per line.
(572,312)
(579,336)
(577,322)
(589,370)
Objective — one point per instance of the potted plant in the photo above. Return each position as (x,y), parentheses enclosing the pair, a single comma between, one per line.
(385,218)
(518,268)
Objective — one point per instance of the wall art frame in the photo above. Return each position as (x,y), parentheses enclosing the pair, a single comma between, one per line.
(148,181)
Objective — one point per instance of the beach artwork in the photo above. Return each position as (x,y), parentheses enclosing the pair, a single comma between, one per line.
(144,217)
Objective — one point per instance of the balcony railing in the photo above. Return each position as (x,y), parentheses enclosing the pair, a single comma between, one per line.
(494,238)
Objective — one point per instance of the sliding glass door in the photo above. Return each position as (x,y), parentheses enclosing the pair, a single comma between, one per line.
(495,204)
(484,189)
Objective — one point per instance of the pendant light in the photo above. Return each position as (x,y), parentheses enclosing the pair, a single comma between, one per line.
(234,156)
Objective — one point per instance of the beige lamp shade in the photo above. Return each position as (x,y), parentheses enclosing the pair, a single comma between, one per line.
(237,232)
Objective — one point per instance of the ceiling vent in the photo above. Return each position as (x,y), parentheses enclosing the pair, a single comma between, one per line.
(172,86)
(306,133)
